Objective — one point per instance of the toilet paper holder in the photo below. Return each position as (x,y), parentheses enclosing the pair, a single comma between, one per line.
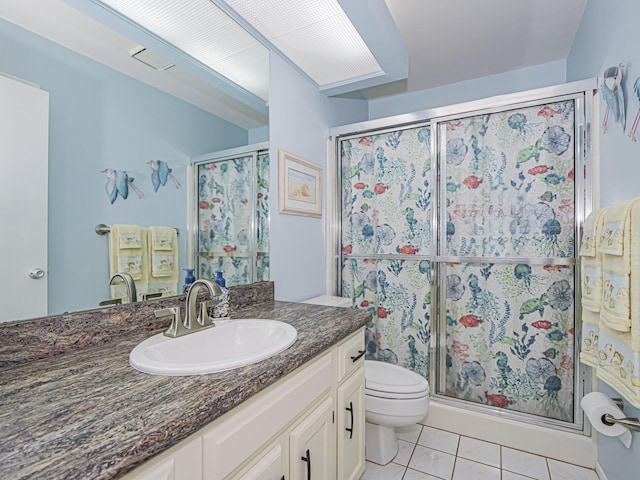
(630,423)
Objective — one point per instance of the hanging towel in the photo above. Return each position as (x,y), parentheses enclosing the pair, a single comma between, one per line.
(127,254)
(612,346)
(163,258)
(615,245)
(591,272)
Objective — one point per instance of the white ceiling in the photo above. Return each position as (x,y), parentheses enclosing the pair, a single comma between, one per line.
(448,41)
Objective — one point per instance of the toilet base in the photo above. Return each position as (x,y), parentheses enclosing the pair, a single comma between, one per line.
(381,443)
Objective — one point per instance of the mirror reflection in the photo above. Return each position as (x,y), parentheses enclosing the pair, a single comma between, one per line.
(118,153)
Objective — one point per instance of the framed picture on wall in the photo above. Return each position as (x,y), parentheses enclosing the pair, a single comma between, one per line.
(300,186)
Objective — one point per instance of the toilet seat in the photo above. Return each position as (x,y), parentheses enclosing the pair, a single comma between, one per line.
(386,380)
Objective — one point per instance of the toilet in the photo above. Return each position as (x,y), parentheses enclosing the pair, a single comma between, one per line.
(394,397)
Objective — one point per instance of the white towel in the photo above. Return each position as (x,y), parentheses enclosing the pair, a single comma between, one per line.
(163,258)
(127,254)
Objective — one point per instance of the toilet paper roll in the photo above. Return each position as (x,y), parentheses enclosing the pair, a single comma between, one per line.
(595,406)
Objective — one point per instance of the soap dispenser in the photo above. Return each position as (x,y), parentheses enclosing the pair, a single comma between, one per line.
(221,310)
(189,278)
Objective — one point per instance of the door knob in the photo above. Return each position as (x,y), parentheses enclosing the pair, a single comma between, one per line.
(36,273)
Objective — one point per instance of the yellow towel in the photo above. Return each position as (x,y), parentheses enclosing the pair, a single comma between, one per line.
(591,271)
(127,254)
(615,244)
(163,259)
(612,346)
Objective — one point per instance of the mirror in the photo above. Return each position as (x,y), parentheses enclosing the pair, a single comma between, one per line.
(100,120)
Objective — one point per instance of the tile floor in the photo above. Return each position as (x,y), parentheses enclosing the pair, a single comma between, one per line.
(430,454)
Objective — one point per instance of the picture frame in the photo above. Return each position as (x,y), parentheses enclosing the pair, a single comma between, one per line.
(300,186)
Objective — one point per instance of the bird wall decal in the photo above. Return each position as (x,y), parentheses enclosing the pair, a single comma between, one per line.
(632,132)
(161,173)
(119,183)
(613,96)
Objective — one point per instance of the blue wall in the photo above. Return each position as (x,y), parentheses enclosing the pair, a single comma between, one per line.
(539,76)
(299,121)
(609,35)
(100,118)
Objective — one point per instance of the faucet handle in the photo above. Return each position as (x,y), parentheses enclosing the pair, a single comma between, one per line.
(176,328)
(204,318)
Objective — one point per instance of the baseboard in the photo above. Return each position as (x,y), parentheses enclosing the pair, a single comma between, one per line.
(600,472)
(564,446)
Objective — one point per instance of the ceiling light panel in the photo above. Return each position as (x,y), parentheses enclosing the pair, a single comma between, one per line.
(316,35)
(201,30)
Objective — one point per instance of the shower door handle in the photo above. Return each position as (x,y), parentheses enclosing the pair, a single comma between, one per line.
(350,410)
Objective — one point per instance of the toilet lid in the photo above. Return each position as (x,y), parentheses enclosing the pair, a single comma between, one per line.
(385,378)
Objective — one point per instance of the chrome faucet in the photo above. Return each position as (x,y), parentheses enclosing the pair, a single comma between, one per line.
(192,320)
(130,285)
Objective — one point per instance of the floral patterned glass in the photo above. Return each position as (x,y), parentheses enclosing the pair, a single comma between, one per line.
(510,336)
(397,293)
(510,183)
(226,240)
(387,198)
(507,191)
(386,193)
(510,193)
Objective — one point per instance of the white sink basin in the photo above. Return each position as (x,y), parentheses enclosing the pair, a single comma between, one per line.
(230,344)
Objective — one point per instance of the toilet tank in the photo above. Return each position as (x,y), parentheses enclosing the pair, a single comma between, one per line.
(330,301)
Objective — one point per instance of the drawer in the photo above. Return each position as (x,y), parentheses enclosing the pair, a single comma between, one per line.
(351,354)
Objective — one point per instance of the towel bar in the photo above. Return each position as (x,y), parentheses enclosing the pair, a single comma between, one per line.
(102,229)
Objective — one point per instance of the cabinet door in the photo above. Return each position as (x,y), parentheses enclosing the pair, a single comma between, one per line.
(184,463)
(350,409)
(270,466)
(313,445)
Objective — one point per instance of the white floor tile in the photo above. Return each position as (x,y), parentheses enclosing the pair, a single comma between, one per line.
(433,462)
(439,440)
(409,433)
(404,452)
(525,463)
(466,469)
(513,476)
(416,475)
(391,471)
(479,451)
(566,471)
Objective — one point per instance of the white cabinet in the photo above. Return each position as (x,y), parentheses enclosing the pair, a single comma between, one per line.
(270,465)
(313,445)
(183,461)
(351,421)
(307,426)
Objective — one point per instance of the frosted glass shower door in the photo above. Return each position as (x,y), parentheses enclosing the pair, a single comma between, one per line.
(508,240)
(233,218)
(387,240)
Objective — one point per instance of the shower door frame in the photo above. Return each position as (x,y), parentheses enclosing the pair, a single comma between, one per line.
(582,93)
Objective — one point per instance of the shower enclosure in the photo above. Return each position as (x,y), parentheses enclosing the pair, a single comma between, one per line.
(232,215)
(457,231)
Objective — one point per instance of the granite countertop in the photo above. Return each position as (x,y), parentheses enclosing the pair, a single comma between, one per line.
(88,414)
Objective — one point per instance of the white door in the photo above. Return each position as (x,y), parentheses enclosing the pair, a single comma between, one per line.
(24,155)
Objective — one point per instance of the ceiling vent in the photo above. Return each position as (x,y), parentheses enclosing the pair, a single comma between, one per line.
(150,59)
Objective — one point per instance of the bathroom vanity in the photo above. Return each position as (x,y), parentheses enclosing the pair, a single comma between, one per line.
(308,425)
(86,413)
